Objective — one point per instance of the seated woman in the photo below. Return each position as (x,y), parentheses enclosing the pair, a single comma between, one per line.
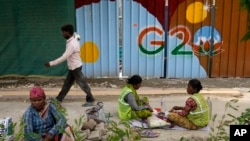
(130,106)
(195,114)
(43,121)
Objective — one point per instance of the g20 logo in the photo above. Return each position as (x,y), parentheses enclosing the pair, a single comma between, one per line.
(159,44)
(179,30)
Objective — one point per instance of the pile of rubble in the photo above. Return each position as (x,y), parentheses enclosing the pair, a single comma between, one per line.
(94,130)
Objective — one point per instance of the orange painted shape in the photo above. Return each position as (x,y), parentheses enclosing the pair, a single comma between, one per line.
(206,46)
(89,52)
(146,31)
(160,43)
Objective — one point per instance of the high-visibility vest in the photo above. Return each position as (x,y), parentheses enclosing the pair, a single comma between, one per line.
(124,109)
(199,116)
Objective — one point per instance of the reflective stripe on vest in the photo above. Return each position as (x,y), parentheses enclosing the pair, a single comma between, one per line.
(121,99)
(201,108)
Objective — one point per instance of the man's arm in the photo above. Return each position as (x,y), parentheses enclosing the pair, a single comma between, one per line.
(66,54)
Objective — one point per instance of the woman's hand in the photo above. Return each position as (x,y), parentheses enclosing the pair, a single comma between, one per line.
(178,108)
(175,108)
(172,110)
(48,137)
(150,108)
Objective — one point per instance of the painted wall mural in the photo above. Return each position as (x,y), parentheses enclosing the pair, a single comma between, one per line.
(143,37)
(185,47)
(97,24)
(190,39)
(179,32)
(159,44)
(192,42)
(90,51)
(202,40)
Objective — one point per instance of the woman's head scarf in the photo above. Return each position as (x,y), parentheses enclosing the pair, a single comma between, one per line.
(36,92)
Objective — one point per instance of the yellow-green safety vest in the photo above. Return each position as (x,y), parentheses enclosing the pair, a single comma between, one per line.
(199,116)
(124,109)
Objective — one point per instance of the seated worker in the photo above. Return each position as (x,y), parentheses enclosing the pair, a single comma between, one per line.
(42,120)
(195,114)
(130,106)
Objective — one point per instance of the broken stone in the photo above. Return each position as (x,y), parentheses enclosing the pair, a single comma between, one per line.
(95,135)
(86,132)
(90,124)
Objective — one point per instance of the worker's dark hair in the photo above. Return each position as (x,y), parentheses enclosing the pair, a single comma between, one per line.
(135,79)
(68,28)
(196,84)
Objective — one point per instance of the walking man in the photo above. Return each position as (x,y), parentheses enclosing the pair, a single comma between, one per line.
(72,55)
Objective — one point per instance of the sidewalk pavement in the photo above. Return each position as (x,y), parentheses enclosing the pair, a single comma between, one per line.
(147,91)
(109,96)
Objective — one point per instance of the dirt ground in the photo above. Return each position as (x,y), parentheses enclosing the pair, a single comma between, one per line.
(16,108)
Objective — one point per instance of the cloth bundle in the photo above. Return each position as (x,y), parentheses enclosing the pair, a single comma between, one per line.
(96,113)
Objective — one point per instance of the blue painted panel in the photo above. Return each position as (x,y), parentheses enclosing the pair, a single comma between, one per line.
(136,21)
(183,66)
(97,24)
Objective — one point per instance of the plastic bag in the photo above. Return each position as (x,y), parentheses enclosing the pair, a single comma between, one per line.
(154,122)
(97,113)
(5,128)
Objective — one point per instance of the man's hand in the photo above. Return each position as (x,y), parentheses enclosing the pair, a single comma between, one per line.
(47,64)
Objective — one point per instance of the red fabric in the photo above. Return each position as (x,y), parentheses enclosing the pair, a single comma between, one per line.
(80,3)
(191,103)
(36,92)
(56,138)
(190,106)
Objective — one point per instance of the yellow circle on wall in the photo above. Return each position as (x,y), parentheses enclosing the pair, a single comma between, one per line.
(196,12)
(89,52)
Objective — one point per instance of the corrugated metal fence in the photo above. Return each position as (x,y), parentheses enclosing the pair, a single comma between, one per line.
(192,34)
(203,38)
(160,38)
(142,37)
(97,23)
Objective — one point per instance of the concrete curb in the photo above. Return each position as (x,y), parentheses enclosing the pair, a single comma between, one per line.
(116,91)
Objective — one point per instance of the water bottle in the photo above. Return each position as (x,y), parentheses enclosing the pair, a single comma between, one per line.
(209,102)
(163,104)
